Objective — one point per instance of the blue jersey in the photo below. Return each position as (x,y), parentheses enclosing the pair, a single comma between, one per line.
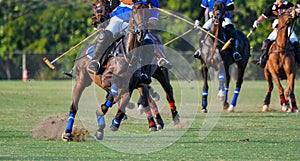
(123,12)
(154,12)
(210,4)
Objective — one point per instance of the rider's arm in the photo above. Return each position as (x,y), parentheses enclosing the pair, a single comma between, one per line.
(268,13)
(230,7)
(201,13)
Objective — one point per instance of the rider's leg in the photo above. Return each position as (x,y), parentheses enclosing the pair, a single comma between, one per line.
(160,53)
(232,32)
(201,36)
(295,42)
(105,38)
(103,41)
(297,52)
(264,56)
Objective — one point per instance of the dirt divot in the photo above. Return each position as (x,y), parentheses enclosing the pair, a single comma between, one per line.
(52,128)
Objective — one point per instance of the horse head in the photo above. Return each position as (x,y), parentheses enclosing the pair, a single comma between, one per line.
(219,10)
(287,16)
(100,14)
(139,19)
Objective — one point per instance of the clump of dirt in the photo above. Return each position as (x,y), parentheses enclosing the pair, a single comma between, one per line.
(53,127)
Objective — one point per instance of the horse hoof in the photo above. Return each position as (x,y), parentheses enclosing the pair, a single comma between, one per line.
(99,134)
(265,108)
(153,128)
(141,109)
(176,119)
(155,96)
(159,127)
(230,109)
(131,105)
(114,128)
(285,108)
(203,110)
(66,137)
(225,105)
(220,95)
(125,118)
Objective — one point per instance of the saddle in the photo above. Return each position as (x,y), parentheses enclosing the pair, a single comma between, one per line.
(109,52)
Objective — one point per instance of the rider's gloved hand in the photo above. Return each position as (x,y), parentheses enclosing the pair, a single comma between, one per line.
(197,22)
(255,24)
(197,54)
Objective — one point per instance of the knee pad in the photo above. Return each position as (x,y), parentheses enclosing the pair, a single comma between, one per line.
(105,36)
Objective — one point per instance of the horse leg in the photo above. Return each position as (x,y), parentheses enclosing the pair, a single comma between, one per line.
(162,75)
(291,85)
(101,111)
(283,102)
(270,89)
(221,86)
(153,105)
(204,71)
(116,122)
(226,88)
(77,92)
(157,116)
(144,92)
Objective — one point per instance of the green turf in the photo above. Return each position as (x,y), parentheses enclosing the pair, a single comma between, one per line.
(247,134)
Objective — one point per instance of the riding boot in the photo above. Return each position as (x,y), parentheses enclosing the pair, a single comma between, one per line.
(263,58)
(297,52)
(232,32)
(201,35)
(159,52)
(104,40)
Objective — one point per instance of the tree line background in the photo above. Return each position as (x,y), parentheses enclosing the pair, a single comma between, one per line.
(47,28)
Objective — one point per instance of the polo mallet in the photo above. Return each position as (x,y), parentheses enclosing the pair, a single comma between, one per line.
(179,36)
(50,64)
(250,33)
(230,40)
(191,23)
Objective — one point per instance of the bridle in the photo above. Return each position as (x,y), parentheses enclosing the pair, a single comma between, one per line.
(290,20)
(140,16)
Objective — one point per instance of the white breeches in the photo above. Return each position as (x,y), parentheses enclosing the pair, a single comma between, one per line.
(116,25)
(293,36)
(208,23)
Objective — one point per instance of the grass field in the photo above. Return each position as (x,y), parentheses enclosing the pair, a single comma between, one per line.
(247,134)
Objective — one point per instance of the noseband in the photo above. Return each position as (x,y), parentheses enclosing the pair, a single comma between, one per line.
(140,21)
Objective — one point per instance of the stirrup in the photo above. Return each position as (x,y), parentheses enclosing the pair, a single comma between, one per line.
(256,62)
(197,54)
(93,66)
(237,56)
(162,62)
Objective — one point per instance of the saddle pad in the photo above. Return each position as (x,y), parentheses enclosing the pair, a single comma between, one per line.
(90,51)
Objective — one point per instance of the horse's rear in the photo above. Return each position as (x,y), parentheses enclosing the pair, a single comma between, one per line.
(281,64)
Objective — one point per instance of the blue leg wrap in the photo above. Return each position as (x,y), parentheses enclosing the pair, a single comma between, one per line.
(226,94)
(116,122)
(204,98)
(108,103)
(221,81)
(113,92)
(100,120)
(70,122)
(235,96)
